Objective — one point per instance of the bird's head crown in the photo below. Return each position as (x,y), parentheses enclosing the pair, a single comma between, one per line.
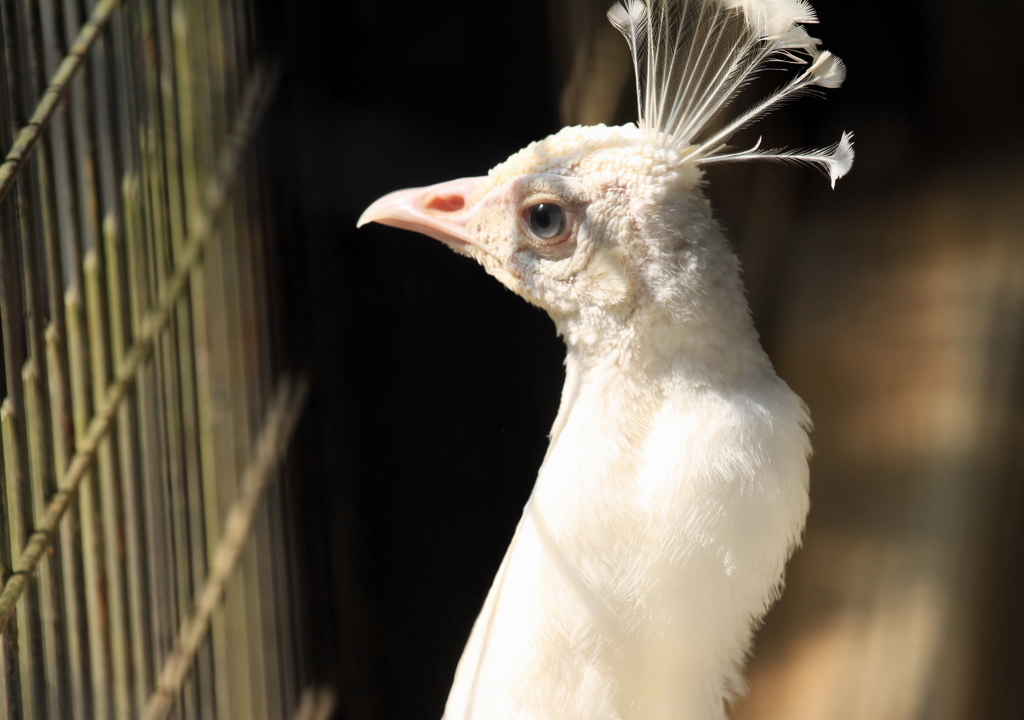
(692,57)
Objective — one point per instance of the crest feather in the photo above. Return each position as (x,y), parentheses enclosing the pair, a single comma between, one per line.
(692,57)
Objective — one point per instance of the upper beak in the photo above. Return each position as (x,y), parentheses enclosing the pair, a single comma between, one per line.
(440,211)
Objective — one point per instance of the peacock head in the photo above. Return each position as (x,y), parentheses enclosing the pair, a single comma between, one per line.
(612,219)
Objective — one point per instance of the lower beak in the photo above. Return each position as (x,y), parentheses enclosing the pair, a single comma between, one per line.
(439,211)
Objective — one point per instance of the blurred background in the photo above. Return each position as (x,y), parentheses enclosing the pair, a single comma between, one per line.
(894,305)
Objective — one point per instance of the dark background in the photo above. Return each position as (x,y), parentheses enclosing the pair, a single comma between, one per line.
(434,387)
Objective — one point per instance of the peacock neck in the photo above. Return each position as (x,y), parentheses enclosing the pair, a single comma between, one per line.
(653,348)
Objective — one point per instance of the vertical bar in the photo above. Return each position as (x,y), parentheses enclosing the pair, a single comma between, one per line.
(48,573)
(164,205)
(193,540)
(30,653)
(196,152)
(58,193)
(241,600)
(124,547)
(18,302)
(143,490)
(113,610)
(40,200)
(241,603)
(18,473)
(79,699)
(250,360)
(226,453)
(84,314)
(120,510)
(10,683)
(11,334)
(97,660)
(236,377)
(157,492)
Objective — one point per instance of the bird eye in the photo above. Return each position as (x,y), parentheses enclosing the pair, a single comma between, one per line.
(547,220)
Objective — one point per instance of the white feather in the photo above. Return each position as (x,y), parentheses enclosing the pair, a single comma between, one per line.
(691,58)
(836,160)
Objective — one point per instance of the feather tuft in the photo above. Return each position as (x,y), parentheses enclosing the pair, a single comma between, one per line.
(772,18)
(827,70)
(630,19)
(692,57)
(836,160)
(796,38)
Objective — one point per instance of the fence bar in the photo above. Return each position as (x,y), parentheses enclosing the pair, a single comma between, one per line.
(271,445)
(143,411)
(96,690)
(49,102)
(52,162)
(260,91)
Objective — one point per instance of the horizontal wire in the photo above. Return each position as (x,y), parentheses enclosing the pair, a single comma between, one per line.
(48,103)
(271,446)
(259,90)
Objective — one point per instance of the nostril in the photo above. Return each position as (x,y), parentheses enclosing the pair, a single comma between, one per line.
(446,203)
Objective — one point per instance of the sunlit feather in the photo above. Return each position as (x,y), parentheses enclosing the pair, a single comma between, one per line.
(692,57)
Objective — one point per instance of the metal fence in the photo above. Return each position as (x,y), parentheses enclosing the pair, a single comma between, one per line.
(143,545)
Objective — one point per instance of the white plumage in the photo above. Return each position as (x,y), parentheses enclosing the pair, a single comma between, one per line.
(675,485)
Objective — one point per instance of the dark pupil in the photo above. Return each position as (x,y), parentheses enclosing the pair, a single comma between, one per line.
(547,220)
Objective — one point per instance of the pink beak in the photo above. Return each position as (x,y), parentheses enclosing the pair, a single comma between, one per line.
(440,211)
